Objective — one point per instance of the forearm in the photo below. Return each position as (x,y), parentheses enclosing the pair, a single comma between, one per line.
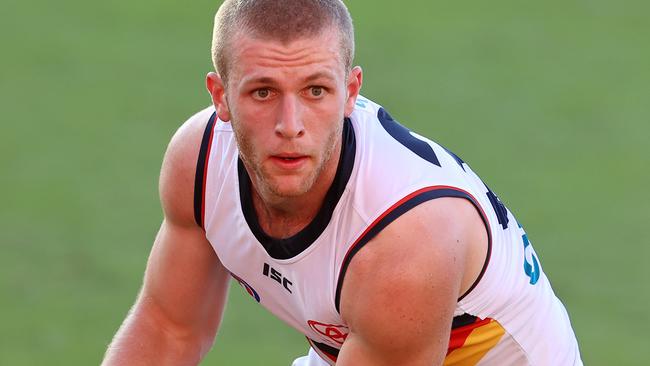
(143,340)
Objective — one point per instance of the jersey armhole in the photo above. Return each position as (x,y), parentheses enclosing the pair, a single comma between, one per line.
(201,171)
(397,210)
(327,353)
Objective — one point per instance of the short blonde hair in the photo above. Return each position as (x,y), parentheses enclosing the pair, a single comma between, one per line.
(282,20)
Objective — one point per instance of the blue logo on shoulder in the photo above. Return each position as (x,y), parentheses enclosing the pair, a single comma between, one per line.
(531,267)
(531,264)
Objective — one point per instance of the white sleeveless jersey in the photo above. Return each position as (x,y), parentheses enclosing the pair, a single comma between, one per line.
(510,316)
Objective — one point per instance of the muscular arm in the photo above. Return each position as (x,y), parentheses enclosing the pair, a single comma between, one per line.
(177,313)
(400,291)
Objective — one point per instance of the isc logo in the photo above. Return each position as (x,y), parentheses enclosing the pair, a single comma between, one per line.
(272,273)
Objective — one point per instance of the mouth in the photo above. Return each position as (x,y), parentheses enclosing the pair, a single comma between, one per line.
(289,161)
(289,156)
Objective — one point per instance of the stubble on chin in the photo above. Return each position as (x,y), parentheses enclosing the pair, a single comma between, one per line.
(265,182)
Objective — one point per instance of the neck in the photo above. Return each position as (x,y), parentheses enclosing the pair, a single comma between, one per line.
(285,219)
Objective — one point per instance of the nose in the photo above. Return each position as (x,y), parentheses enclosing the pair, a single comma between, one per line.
(289,124)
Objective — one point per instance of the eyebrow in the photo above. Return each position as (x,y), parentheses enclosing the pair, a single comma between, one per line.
(310,78)
(260,80)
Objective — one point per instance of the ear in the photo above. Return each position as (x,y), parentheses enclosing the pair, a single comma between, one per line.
(355,79)
(217,90)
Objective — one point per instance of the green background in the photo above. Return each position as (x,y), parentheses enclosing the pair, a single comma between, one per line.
(548,101)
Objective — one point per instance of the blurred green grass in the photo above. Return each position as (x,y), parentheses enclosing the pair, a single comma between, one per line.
(547,101)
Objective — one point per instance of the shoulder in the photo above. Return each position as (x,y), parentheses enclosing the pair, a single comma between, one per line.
(407,280)
(433,237)
(179,168)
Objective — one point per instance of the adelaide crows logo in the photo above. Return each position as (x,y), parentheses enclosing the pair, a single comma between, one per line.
(336,333)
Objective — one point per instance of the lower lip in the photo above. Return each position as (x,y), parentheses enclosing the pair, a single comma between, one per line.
(289,164)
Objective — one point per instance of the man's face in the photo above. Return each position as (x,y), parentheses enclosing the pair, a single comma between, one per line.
(286,103)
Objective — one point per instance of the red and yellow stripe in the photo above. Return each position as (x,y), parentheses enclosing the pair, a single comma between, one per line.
(469,344)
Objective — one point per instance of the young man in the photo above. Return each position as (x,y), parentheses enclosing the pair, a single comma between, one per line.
(378,244)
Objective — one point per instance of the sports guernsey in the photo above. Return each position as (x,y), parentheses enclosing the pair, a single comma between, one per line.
(510,315)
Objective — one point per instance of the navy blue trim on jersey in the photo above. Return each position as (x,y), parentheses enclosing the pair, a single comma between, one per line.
(292,246)
(334,352)
(403,135)
(463,320)
(394,213)
(499,209)
(199,177)
(456,157)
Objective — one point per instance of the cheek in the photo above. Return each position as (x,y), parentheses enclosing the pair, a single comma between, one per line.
(242,139)
(251,137)
(254,118)
(326,112)
(244,120)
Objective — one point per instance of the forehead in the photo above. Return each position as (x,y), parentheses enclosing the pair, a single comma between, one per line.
(255,56)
